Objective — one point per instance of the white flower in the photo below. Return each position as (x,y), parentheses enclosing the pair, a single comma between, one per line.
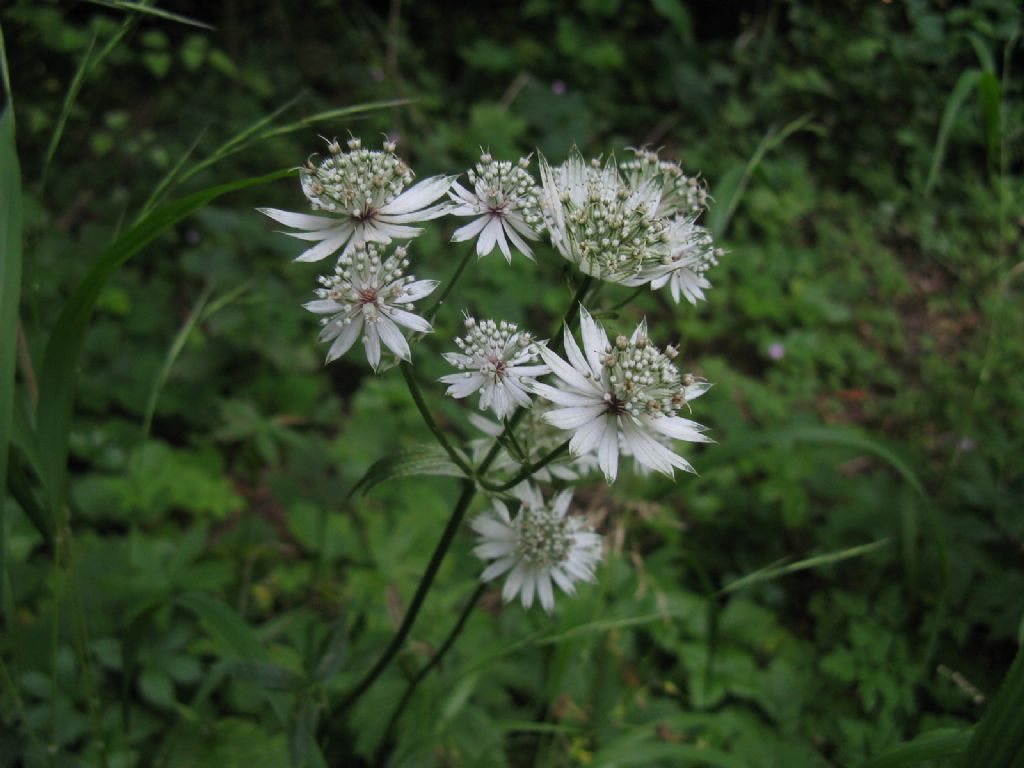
(681,195)
(494,360)
(364,191)
(372,295)
(539,546)
(599,221)
(691,253)
(506,201)
(627,393)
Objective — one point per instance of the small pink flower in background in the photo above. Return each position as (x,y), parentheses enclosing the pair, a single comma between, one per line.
(776,351)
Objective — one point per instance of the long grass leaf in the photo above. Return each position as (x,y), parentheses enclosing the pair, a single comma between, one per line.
(728,193)
(10,295)
(999,737)
(964,85)
(990,100)
(149,10)
(167,182)
(259,131)
(64,348)
(941,743)
(776,571)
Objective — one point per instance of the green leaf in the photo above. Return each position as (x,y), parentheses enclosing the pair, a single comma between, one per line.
(335,652)
(964,85)
(644,749)
(990,100)
(999,737)
(64,348)
(944,742)
(10,278)
(269,676)
(428,459)
(302,748)
(146,8)
(818,561)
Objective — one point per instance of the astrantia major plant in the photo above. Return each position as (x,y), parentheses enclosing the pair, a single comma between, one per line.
(562,409)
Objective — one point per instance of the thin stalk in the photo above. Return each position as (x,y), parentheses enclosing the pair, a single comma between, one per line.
(431,313)
(435,660)
(428,419)
(468,491)
(526,471)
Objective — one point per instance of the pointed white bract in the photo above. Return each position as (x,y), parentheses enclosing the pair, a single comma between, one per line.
(364,193)
(505,204)
(370,296)
(609,396)
(680,194)
(495,361)
(541,547)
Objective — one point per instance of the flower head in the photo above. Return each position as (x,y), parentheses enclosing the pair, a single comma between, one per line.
(599,221)
(364,191)
(691,253)
(680,194)
(506,203)
(627,392)
(495,359)
(370,294)
(539,546)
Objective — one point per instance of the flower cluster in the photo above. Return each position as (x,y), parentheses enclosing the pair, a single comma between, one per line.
(494,359)
(506,203)
(540,546)
(372,295)
(629,393)
(633,223)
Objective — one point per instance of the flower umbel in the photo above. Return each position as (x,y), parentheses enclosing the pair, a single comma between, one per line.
(364,191)
(495,361)
(628,392)
(506,201)
(609,228)
(370,293)
(539,546)
(681,195)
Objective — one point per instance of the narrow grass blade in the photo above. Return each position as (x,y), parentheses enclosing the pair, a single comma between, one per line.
(10,282)
(964,85)
(818,561)
(990,100)
(999,737)
(934,745)
(64,348)
(170,178)
(149,10)
(730,190)
(259,131)
(85,66)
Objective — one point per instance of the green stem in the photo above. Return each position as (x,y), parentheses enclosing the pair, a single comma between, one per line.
(410,688)
(468,491)
(421,405)
(527,470)
(431,313)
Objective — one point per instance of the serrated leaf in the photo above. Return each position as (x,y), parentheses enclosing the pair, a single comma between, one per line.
(420,460)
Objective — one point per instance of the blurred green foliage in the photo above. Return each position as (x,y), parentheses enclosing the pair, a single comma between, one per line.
(863,335)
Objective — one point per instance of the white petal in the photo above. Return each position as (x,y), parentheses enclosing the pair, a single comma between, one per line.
(680,429)
(588,437)
(471,230)
(408,319)
(529,586)
(323,306)
(371,340)
(519,243)
(561,397)
(345,339)
(608,451)
(544,591)
(419,195)
(393,338)
(564,371)
(326,248)
(502,242)
(462,385)
(514,582)
(415,291)
(595,340)
(573,418)
(497,568)
(489,236)
(385,232)
(300,220)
